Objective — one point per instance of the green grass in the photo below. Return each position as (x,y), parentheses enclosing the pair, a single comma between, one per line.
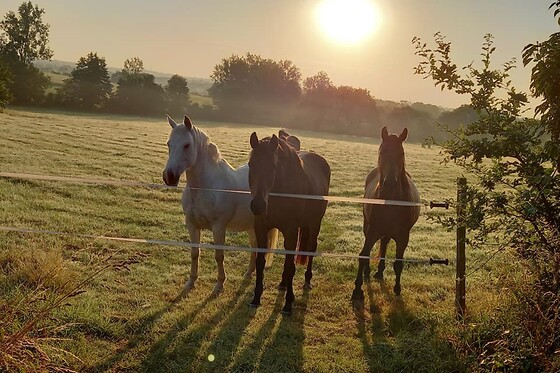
(126,319)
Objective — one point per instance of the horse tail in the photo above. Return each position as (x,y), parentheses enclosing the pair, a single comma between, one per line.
(302,245)
(272,243)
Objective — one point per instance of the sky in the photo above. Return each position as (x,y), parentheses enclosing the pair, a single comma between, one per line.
(190,37)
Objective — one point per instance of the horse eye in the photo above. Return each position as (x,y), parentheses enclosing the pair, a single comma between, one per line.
(187,146)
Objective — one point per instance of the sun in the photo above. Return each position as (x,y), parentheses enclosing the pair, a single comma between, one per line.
(347,21)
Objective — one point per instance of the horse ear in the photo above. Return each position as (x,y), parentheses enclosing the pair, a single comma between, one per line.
(187,122)
(294,142)
(273,143)
(171,122)
(384,133)
(404,134)
(254,140)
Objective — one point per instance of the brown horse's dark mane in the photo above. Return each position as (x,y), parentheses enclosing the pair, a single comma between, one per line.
(287,154)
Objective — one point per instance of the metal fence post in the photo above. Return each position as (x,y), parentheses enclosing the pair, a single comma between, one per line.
(460,287)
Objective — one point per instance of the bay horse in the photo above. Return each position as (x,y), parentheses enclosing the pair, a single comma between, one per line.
(192,152)
(390,181)
(276,167)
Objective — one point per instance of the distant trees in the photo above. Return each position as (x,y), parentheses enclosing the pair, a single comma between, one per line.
(24,37)
(253,88)
(246,88)
(5,80)
(137,92)
(341,109)
(177,93)
(89,86)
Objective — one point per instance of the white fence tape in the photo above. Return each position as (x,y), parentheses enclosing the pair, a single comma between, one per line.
(371,201)
(207,246)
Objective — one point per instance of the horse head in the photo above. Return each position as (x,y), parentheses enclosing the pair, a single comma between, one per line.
(262,169)
(390,162)
(182,150)
(290,139)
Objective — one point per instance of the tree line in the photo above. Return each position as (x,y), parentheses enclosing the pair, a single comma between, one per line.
(247,88)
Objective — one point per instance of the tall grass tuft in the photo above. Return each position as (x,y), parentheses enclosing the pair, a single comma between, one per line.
(40,284)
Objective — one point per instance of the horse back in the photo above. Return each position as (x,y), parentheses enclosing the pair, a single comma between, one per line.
(318,172)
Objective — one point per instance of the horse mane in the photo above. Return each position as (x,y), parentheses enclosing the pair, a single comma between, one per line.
(205,146)
(289,153)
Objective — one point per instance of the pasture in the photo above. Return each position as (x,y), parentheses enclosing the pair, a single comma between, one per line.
(128,317)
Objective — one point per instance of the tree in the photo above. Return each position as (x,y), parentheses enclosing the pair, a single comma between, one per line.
(5,80)
(137,92)
(514,198)
(253,88)
(177,92)
(24,38)
(133,65)
(24,35)
(89,85)
(28,84)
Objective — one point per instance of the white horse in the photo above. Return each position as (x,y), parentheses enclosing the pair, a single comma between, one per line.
(191,151)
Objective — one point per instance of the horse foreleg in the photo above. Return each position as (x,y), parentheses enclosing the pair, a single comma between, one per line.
(261,233)
(402,242)
(290,242)
(358,293)
(194,234)
(382,253)
(285,272)
(253,258)
(309,242)
(219,233)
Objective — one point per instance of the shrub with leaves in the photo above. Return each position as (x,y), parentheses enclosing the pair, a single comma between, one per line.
(512,163)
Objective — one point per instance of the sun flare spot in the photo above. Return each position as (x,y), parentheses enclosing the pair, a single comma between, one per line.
(347,21)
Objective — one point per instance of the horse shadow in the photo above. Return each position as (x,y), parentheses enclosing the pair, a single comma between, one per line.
(181,346)
(142,331)
(279,340)
(391,336)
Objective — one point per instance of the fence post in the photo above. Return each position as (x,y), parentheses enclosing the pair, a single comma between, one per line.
(460,287)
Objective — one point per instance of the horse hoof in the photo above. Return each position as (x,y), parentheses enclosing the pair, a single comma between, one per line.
(254,305)
(358,295)
(287,311)
(307,286)
(378,276)
(282,287)
(189,285)
(218,288)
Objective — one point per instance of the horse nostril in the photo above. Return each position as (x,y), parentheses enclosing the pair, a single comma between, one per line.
(169,178)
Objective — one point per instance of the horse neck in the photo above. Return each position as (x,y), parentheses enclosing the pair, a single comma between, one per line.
(290,175)
(208,158)
(401,191)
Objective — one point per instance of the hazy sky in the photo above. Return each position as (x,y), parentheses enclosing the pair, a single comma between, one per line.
(190,37)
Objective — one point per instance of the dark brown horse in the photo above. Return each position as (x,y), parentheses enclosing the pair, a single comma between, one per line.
(388,181)
(276,167)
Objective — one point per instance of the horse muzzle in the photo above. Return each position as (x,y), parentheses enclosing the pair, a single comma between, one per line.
(258,206)
(170,178)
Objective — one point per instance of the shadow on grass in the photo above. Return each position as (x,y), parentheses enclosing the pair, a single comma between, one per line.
(397,339)
(179,349)
(142,330)
(278,344)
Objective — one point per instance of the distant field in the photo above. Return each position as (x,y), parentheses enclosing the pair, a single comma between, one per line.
(126,320)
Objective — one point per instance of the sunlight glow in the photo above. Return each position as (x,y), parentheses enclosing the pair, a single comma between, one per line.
(347,21)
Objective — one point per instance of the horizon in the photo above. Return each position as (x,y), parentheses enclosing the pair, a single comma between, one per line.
(381,62)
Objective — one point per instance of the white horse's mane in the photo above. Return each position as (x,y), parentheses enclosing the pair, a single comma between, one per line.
(205,146)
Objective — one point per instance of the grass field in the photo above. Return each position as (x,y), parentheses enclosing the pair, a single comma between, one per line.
(127,320)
